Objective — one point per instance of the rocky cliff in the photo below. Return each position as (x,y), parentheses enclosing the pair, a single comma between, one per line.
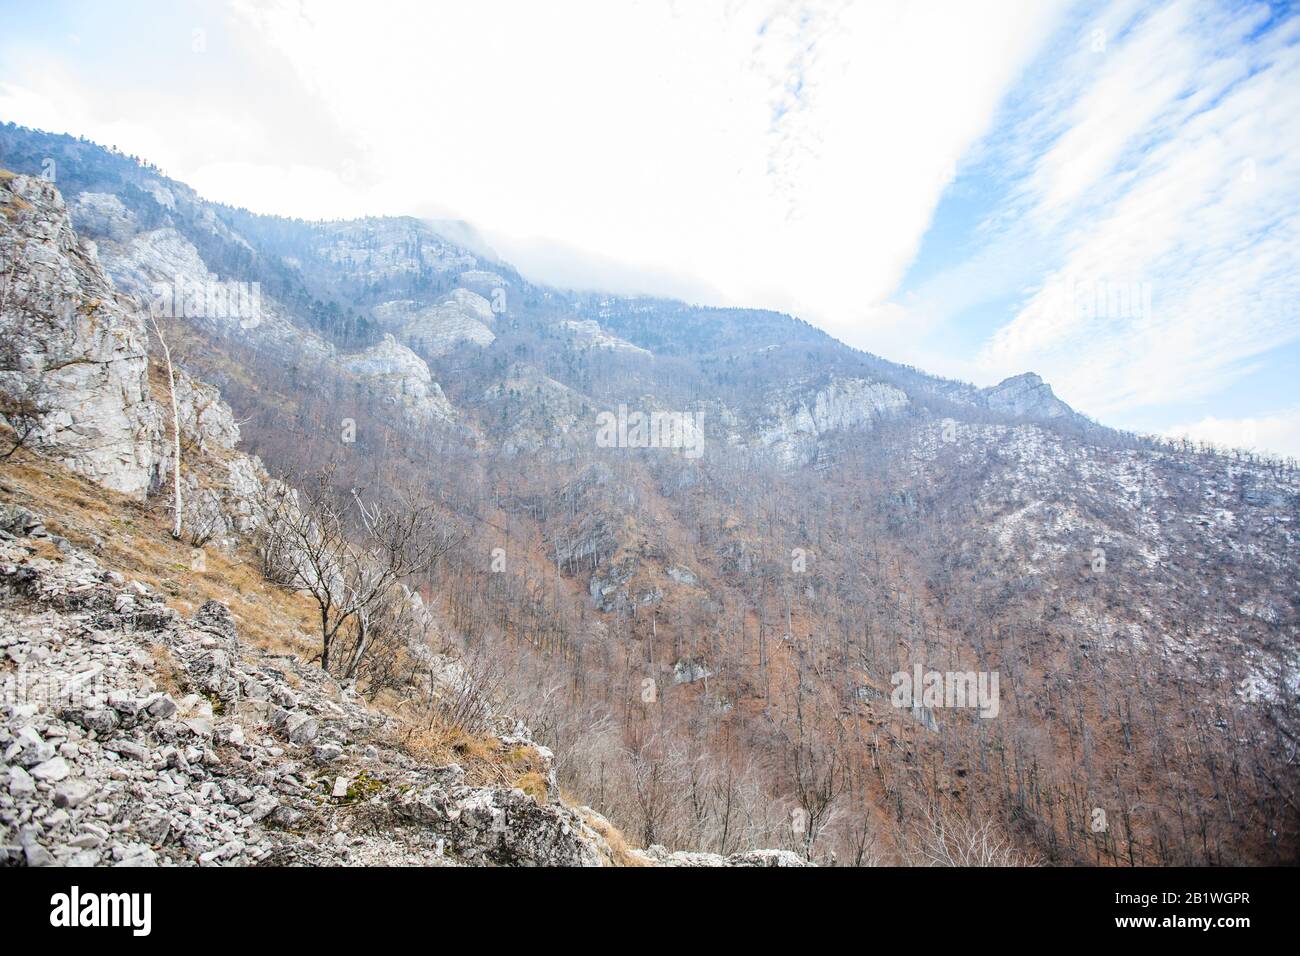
(73,345)
(1026,396)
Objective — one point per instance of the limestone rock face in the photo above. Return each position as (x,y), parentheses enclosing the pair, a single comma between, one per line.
(164,270)
(102,214)
(490,825)
(845,404)
(659,856)
(689,670)
(205,419)
(73,343)
(1026,396)
(483,280)
(682,575)
(138,260)
(474,304)
(377,249)
(79,347)
(222,511)
(534,410)
(405,379)
(587,334)
(438,329)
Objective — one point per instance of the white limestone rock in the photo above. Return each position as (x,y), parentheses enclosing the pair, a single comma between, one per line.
(377,249)
(533,410)
(796,419)
(483,280)
(404,378)
(473,303)
(165,273)
(438,329)
(102,215)
(75,341)
(1026,396)
(587,334)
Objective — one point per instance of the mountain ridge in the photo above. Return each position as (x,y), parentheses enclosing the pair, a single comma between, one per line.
(20,149)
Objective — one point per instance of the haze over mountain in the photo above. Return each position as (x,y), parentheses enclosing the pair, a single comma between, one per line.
(1084,189)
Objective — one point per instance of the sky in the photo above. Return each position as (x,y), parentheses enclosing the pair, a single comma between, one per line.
(1103,193)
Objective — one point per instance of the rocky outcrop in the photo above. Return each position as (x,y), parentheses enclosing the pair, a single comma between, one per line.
(798,418)
(1026,396)
(438,329)
(222,507)
(588,542)
(613,587)
(659,856)
(378,249)
(79,347)
(682,575)
(164,271)
(72,345)
(206,421)
(405,380)
(483,281)
(473,304)
(587,334)
(531,410)
(231,756)
(103,215)
(688,670)
(248,758)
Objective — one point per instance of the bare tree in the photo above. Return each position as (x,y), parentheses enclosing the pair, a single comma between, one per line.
(176,427)
(23,400)
(944,837)
(347,554)
(23,403)
(651,789)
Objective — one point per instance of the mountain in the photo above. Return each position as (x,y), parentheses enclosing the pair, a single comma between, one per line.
(699,546)
(139,726)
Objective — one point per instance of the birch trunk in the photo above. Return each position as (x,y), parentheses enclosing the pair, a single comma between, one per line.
(176,432)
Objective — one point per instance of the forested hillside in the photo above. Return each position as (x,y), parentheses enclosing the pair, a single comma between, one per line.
(693,548)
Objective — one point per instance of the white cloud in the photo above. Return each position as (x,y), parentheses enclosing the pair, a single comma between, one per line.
(1277,434)
(783,154)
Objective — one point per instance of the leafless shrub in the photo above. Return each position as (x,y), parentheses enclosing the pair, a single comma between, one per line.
(347,553)
(946,837)
(463,694)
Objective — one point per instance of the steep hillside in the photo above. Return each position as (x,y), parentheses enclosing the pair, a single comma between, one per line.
(698,546)
(160,701)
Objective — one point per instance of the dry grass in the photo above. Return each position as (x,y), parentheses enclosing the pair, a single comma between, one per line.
(168,674)
(133,538)
(484,758)
(533,784)
(623,853)
(12,209)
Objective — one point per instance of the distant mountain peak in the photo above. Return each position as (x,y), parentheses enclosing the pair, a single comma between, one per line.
(1026,396)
